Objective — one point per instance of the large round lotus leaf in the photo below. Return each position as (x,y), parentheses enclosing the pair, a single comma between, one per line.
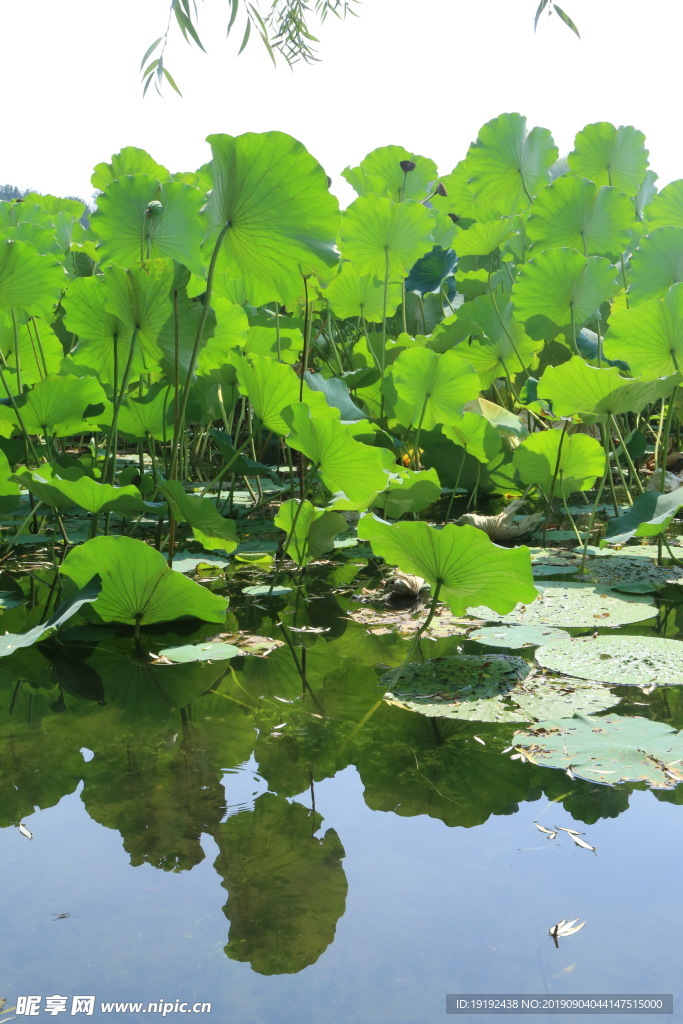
(516,637)
(610,749)
(349,294)
(270,386)
(461,559)
(61,487)
(30,283)
(575,388)
(610,156)
(483,237)
(281,219)
(650,516)
(649,337)
(138,219)
(506,349)
(210,651)
(34,360)
(563,285)
(494,688)
(476,435)
(431,270)
(409,492)
(129,160)
(507,164)
(58,405)
(666,209)
(575,605)
(345,464)
(656,265)
(381,172)
(150,416)
(100,333)
(572,461)
(622,660)
(638,575)
(573,212)
(212,530)
(137,584)
(429,389)
(384,239)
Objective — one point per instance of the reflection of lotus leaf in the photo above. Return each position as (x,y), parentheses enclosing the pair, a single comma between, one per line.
(287,888)
(497,688)
(575,605)
(622,660)
(609,749)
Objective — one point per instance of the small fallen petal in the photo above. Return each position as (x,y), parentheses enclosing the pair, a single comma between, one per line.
(25,832)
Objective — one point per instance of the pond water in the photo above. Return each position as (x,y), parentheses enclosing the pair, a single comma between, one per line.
(267,836)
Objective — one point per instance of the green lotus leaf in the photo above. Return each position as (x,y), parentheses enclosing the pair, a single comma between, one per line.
(383,239)
(581,461)
(572,605)
(572,212)
(337,396)
(129,160)
(483,237)
(461,559)
(61,488)
(652,661)
(516,637)
(650,516)
(59,405)
(100,334)
(209,527)
(232,333)
(609,749)
(563,286)
(409,492)
(656,265)
(381,172)
(150,416)
(427,388)
(185,561)
(137,585)
(349,295)
(666,209)
(87,594)
(43,240)
(271,197)
(575,388)
(507,165)
(428,274)
(624,572)
(461,199)
(270,386)
(138,219)
(345,464)
(9,489)
(504,421)
(315,530)
(30,283)
(285,344)
(476,435)
(506,349)
(649,337)
(216,651)
(610,156)
(494,688)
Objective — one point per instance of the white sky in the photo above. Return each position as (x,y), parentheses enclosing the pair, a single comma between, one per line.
(425,74)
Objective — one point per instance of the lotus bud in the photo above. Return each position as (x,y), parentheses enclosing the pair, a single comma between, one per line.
(154,209)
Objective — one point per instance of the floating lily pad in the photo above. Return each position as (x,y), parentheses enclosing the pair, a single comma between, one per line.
(497,688)
(264,590)
(200,652)
(632,575)
(609,750)
(623,660)
(550,562)
(517,636)
(186,562)
(575,605)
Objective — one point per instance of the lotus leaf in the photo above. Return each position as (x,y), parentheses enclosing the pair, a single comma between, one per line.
(483,237)
(575,605)
(506,349)
(137,585)
(430,271)
(609,749)
(620,660)
(649,337)
(573,212)
(563,286)
(507,164)
(270,200)
(666,209)
(314,533)
(30,283)
(595,394)
(58,405)
(349,295)
(209,527)
(634,575)
(491,688)
(383,239)
(650,516)
(409,492)
(381,172)
(461,560)
(209,651)
(476,435)
(87,594)
(429,388)
(570,462)
(61,488)
(656,265)
(610,156)
(129,160)
(515,637)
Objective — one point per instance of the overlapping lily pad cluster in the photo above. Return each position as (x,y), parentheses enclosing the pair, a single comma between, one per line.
(426,339)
